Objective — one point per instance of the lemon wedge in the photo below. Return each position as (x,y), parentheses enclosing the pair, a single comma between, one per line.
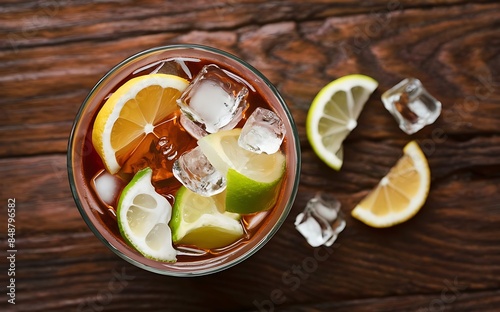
(400,194)
(131,113)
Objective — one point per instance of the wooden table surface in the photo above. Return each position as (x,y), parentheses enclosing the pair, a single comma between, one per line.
(447,258)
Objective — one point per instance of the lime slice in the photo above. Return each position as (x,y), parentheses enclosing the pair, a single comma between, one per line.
(253,180)
(400,194)
(202,222)
(334,113)
(143,217)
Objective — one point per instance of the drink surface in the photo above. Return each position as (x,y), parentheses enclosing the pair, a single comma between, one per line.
(159,149)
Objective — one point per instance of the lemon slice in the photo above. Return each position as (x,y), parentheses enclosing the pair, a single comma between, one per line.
(143,217)
(202,222)
(131,113)
(253,180)
(400,194)
(334,113)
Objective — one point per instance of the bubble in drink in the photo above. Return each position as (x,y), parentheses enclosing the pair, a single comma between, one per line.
(411,105)
(196,173)
(214,100)
(263,132)
(321,221)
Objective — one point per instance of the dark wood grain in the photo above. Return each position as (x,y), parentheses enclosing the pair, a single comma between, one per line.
(454,241)
(41,95)
(453,300)
(38,23)
(446,258)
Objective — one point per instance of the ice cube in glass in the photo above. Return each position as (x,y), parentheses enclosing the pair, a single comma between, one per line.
(107,187)
(263,132)
(411,105)
(196,173)
(321,221)
(172,66)
(191,127)
(214,100)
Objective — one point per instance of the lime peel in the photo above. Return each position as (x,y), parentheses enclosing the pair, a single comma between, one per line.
(202,222)
(253,180)
(249,196)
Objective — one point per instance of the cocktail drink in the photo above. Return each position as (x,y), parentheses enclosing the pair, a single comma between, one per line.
(184,160)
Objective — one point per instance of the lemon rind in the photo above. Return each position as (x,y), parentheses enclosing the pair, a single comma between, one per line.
(365,215)
(110,112)
(345,83)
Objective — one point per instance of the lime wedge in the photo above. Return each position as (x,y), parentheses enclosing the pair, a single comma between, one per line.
(253,180)
(143,217)
(202,222)
(334,113)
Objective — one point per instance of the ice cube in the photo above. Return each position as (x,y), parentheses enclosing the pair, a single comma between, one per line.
(214,100)
(107,187)
(321,221)
(176,66)
(253,220)
(196,173)
(197,131)
(172,66)
(263,132)
(411,105)
(192,127)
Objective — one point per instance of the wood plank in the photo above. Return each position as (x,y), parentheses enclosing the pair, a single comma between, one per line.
(452,298)
(40,23)
(82,278)
(53,52)
(456,234)
(366,162)
(40,96)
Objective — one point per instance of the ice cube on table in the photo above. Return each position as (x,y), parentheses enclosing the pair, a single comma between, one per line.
(321,221)
(196,173)
(263,132)
(411,105)
(214,100)
(107,187)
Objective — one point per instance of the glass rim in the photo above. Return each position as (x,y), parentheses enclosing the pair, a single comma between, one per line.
(258,245)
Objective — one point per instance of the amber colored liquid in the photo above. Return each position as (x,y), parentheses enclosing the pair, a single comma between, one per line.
(159,150)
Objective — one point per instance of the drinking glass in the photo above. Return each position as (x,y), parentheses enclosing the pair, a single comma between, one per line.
(82,159)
